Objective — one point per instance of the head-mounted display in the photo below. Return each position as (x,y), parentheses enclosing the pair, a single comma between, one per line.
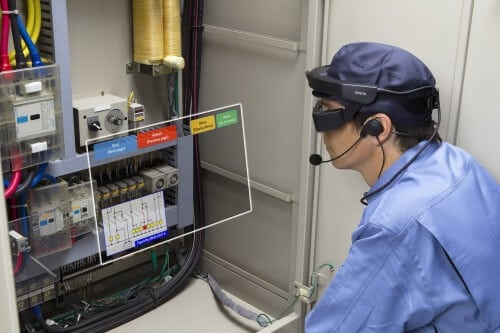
(358,95)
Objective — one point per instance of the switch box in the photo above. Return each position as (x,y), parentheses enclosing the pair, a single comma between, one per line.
(103,116)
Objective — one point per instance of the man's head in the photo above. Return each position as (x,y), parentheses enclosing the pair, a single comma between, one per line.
(372,81)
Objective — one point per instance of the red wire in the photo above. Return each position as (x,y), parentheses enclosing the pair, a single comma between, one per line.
(4,46)
(14,182)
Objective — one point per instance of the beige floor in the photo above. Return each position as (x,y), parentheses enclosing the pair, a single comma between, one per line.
(195,309)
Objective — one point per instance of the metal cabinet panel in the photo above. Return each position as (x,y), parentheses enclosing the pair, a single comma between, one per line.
(479,114)
(435,31)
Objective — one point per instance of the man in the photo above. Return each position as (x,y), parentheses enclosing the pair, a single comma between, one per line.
(424,257)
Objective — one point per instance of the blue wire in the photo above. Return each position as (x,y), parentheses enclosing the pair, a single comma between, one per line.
(24,215)
(50,178)
(37,311)
(36,59)
(39,174)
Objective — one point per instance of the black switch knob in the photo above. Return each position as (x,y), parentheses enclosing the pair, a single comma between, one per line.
(95,125)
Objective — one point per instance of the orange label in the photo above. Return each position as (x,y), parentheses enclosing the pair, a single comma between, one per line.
(156,136)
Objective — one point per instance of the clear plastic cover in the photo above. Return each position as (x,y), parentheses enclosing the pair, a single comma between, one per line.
(31,130)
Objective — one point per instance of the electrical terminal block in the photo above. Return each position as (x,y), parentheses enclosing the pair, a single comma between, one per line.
(131,187)
(36,290)
(105,196)
(23,303)
(114,191)
(160,178)
(171,173)
(139,181)
(123,187)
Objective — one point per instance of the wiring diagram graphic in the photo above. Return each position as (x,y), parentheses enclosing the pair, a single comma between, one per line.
(134,223)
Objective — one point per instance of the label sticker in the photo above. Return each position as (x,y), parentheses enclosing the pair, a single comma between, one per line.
(204,124)
(156,136)
(50,222)
(150,239)
(35,119)
(227,118)
(117,147)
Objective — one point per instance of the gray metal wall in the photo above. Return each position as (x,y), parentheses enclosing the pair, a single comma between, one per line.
(254,256)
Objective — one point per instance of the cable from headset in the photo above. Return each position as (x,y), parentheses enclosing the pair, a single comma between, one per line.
(364,201)
(383,157)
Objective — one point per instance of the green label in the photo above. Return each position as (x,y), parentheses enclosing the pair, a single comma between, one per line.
(227,118)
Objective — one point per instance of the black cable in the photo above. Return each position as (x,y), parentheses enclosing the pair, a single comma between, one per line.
(383,158)
(16,37)
(364,201)
(26,184)
(121,314)
(187,73)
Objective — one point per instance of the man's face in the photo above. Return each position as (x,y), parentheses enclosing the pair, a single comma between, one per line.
(340,139)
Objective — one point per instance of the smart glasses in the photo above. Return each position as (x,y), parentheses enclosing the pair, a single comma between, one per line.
(329,119)
(357,94)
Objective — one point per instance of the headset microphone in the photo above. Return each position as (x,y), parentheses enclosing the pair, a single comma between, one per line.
(316,159)
(372,127)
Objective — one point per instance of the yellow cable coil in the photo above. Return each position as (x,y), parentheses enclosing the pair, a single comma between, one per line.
(148,31)
(172,48)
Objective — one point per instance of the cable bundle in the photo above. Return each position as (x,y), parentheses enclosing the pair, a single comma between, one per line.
(157,32)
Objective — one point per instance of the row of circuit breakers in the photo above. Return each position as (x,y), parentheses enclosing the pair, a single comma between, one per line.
(58,213)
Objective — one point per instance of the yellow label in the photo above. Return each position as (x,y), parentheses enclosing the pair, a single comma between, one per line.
(204,124)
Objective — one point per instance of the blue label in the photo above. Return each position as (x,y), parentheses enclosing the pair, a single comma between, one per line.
(117,147)
(43,223)
(22,119)
(151,238)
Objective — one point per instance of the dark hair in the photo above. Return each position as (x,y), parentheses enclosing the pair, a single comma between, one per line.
(408,136)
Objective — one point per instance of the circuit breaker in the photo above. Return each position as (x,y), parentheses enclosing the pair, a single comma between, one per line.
(31,128)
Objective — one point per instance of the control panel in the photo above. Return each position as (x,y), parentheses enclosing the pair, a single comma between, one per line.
(103,116)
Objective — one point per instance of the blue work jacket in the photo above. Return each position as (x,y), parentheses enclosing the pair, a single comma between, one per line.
(426,254)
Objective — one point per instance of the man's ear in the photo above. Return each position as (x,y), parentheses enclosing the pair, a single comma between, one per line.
(378,126)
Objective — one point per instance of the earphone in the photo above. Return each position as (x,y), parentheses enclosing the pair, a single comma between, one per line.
(373,127)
